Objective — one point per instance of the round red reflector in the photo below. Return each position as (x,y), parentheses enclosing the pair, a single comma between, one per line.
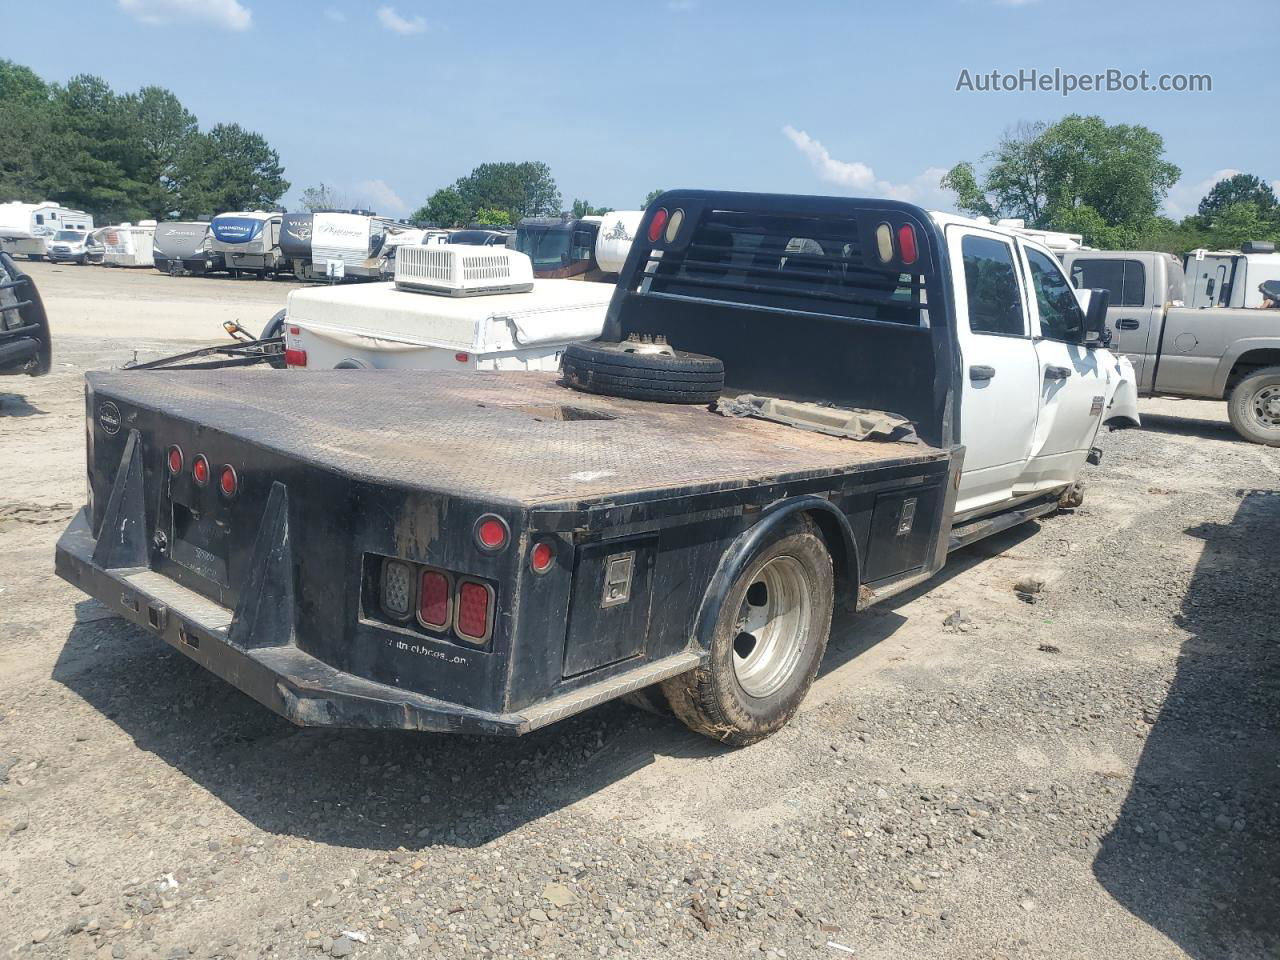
(657,223)
(907,243)
(541,557)
(175,460)
(200,470)
(492,533)
(462,357)
(228,483)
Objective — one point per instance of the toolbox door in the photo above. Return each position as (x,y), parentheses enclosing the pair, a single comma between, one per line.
(609,609)
(902,528)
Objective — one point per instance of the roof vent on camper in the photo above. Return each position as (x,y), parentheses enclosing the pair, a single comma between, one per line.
(455,270)
(1257,246)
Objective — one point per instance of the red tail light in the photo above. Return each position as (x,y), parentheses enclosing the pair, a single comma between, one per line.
(295,358)
(475,612)
(462,357)
(228,482)
(657,223)
(433,600)
(542,556)
(907,243)
(200,470)
(175,460)
(491,533)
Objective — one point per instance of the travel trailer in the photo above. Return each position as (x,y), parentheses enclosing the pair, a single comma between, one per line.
(129,244)
(347,245)
(295,243)
(590,248)
(27,228)
(249,241)
(183,246)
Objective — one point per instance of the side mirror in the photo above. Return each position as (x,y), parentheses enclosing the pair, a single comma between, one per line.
(1096,333)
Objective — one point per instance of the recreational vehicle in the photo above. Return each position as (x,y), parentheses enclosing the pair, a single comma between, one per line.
(249,241)
(27,228)
(295,243)
(183,246)
(590,248)
(129,244)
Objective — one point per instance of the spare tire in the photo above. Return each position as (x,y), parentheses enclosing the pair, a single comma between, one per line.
(643,370)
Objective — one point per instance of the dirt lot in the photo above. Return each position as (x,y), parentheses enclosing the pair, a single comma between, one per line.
(1094,774)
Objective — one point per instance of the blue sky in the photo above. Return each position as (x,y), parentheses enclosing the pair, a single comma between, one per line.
(389,101)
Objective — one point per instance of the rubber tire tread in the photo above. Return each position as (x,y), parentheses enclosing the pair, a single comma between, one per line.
(709,699)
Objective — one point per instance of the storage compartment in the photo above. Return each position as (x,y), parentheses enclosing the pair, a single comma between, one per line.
(609,609)
(902,525)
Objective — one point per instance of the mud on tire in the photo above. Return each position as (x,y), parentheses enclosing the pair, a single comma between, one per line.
(784,595)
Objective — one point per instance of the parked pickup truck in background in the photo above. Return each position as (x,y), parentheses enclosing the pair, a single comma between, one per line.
(795,399)
(1205,352)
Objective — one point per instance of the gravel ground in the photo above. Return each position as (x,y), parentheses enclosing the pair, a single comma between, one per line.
(1092,774)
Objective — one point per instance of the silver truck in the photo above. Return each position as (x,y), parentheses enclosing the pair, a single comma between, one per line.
(1210,352)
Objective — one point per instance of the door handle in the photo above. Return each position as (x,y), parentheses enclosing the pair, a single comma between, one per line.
(981,372)
(1127,323)
(1056,373)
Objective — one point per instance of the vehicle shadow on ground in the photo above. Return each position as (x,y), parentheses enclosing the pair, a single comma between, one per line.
(1218,430)
(1195,851)
(384,790)
(16,405)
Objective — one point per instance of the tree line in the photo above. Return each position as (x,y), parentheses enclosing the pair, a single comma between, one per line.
(1108,182)
(126,156)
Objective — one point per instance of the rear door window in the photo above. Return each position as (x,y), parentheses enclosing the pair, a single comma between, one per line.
(1125,279)
(991,284)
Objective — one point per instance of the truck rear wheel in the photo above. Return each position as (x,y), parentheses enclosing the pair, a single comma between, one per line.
(1254,407)
(769,640)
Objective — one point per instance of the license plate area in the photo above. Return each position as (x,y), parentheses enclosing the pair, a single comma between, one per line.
(201,543)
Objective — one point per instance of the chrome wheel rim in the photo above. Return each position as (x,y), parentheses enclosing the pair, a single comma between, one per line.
(771,627)
(1266,406)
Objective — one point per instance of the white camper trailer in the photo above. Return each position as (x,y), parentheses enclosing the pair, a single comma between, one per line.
(182,246)
(129,244)
(451,307)
(347,245)
(248,240)
(27,228)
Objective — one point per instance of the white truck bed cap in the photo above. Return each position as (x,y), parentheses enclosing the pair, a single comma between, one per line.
(553,311)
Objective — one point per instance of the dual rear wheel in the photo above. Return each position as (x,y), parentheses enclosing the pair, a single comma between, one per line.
(769,640)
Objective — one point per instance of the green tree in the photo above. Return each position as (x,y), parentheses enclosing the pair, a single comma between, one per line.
(323,197)
(493,218)
(651,196)
(24,130)
(1238,189)
(229,168)
(164,129)
(444,208)
(1233,225)
(1081,174)
(522,189)
(581,208)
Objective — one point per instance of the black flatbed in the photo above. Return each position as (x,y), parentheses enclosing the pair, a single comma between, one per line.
(507,437)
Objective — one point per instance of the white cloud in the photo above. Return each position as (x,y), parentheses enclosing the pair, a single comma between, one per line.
(1185,195)
(334,15)
(228,14)
(404,26)
(378,195)
(858,177)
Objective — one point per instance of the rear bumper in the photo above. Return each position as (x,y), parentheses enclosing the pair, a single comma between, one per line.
(296,685)
(302,689)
